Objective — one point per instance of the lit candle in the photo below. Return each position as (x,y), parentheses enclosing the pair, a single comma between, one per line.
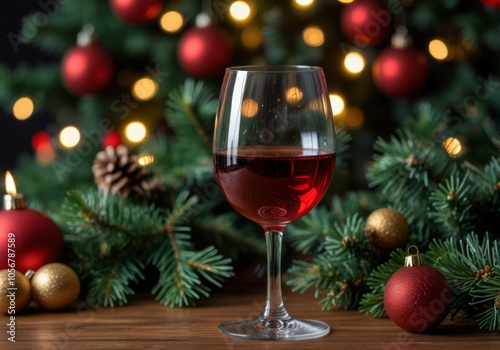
(29,239)
(12,200)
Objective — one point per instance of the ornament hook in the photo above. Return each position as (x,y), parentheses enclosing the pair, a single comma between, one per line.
(413,259)
(414,248)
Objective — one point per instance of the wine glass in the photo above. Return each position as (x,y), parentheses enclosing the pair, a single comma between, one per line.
(274,156)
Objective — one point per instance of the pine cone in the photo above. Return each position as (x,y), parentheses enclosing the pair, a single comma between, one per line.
(118,172)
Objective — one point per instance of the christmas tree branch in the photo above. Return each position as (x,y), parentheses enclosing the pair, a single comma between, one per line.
(191,110)
(115,239)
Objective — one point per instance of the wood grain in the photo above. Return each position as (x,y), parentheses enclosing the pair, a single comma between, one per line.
(144,324)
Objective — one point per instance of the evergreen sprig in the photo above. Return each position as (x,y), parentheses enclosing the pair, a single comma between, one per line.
(113,241)
(339,271)
(191,112)
(450,204)
(372,302)
(472,266)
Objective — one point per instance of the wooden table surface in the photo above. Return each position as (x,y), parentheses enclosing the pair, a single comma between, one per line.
(144,324)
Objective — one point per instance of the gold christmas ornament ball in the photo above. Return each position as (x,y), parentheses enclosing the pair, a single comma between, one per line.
(55,286)
(387,229)
(15,291)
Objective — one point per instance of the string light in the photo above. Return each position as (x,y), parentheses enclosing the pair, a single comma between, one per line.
(69,137)
(145,160)
(304,3)
(172,21)
(23,108)
(251,37)
(452,146)
(249,108)
(240,11)
(337,103)
(438,49)
(144,89)
(313,36)
(354,63)
(135,132)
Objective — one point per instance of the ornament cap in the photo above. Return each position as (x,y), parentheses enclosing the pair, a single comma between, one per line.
(29,274)
(86,36)
(203,20)
(401,38)
(413,259)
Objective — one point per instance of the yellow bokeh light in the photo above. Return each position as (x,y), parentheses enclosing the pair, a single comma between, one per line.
(354,63)
(171,21)
(354,118)
(337,103)
(345,1)
(69,137)
(145,160)
(23,108)
(144,89)
(452,146)
(438,49)
(313,36)
(304,3)
(240,11)
(251,37)
(135,132)
(293,95)
(249,108)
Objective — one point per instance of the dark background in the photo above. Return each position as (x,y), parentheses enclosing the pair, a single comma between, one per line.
(15,135)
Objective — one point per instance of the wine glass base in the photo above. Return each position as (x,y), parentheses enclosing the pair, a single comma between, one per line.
(290,329)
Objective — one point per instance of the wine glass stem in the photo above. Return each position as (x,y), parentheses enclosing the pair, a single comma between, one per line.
(274,313)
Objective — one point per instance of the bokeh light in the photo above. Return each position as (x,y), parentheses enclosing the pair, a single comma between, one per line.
(69,137)
(171,21)
(354,118)
(240,11)
(313,36)
(354,63)
(40,140)
(293,95)
(145,160)
(135,132)
(438,49)
(452,146)
(337,103)
(23,108)
(251,37)
(144,89)
(304,3)
(249,108)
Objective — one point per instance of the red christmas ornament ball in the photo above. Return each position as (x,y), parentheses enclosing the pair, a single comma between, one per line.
(491,3)
(86,69)
(136,11)
(33,238)
(417,298)
(204,52)
(366,22)
(112,139)
(400,72)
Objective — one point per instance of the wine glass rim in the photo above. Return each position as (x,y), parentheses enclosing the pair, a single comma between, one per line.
(274,69)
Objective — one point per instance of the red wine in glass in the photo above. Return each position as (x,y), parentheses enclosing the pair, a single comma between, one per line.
(274,155)
(275,186)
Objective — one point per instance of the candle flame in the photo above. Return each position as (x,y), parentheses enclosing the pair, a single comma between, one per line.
(10,185)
